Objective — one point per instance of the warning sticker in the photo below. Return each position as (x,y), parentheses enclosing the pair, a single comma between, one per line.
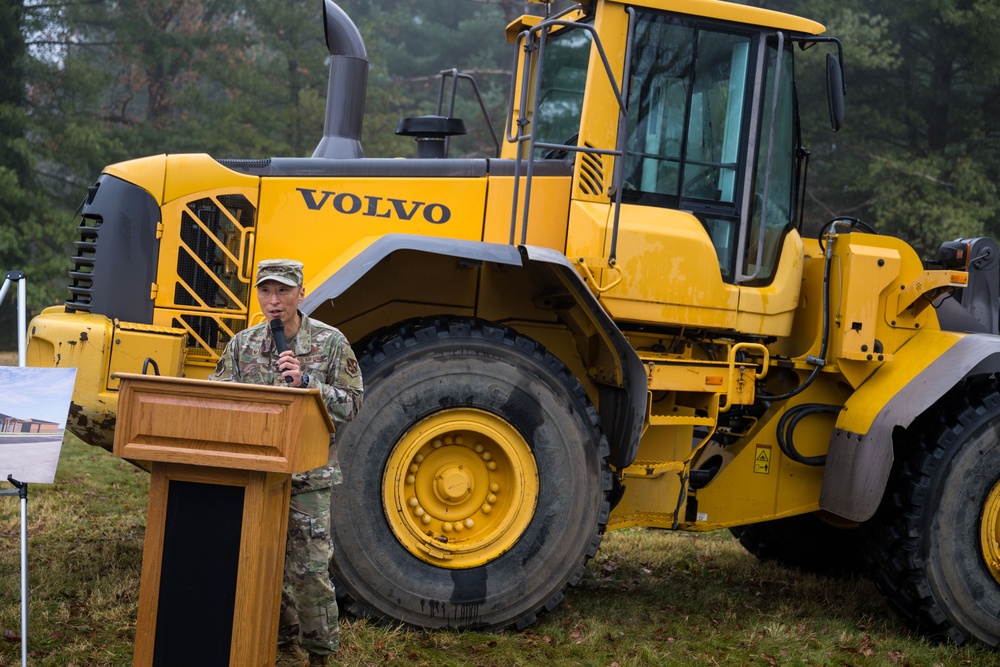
(762,459)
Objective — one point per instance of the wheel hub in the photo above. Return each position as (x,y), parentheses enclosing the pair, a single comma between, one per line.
(460,488)
(453,483)
(989,532)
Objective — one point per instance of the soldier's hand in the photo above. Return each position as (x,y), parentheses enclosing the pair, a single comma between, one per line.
(289,367)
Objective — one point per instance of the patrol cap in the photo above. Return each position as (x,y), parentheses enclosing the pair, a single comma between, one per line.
(285,271)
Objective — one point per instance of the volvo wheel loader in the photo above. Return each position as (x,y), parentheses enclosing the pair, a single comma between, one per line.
(615,321)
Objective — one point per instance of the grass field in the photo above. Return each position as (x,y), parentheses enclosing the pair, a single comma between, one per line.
(649,598)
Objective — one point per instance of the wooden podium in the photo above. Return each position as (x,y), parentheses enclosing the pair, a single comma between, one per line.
(221,456)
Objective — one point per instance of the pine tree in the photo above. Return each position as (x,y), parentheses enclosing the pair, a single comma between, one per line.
(29,242)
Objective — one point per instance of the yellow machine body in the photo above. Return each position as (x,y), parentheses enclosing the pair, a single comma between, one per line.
(691,312)
(665,274)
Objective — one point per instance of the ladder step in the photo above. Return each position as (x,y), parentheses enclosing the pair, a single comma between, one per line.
(680,420)
(650,469)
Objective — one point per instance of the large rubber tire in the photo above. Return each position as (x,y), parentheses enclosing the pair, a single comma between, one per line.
(814,542)
(484,381)
(934,543)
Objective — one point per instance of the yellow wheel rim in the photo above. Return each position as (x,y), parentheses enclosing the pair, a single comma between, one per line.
(460,488)
(989,531)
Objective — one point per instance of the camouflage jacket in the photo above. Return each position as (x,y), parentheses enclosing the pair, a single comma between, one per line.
(325,355)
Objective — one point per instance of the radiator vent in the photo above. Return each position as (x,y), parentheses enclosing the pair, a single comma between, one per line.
(591,173)
(81,287)
(214,271)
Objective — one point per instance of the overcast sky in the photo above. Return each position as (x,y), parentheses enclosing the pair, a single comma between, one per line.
(36,393)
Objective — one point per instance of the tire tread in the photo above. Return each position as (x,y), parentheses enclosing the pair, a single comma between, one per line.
(380,348)
(895,535)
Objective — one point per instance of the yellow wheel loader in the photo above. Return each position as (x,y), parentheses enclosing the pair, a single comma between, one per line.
(614,321)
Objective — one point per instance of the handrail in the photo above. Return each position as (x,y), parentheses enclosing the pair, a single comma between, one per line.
(731,364)
(445,73)
(588,275)
(527,42)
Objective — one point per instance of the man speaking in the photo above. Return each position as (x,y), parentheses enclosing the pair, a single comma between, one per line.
(290,349)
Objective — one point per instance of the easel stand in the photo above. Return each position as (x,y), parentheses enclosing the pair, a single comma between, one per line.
(221,456)
(21,490)
(22,309)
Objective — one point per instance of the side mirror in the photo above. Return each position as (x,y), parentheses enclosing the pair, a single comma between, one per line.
(835,90)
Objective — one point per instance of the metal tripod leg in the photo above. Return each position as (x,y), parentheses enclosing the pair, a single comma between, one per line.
(21,491)
(21,488)
(22,309)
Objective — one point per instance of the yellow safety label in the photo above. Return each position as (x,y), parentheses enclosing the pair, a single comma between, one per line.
(762,460)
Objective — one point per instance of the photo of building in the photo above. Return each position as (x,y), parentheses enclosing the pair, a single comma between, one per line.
(10,424)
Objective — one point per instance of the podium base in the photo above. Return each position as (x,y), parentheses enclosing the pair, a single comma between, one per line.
(213,557)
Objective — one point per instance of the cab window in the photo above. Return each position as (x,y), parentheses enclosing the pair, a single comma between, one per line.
(687,104)
(563,75)
(774,178)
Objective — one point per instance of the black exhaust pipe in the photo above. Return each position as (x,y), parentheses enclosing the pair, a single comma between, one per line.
(345,94)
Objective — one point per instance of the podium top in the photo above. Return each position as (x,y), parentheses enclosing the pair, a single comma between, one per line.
(221,424)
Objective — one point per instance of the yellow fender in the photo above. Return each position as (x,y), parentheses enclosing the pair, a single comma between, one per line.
(623,405)
(922,371)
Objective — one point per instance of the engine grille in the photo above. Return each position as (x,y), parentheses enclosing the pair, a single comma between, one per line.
(212,288)
(82,274)
(114,265)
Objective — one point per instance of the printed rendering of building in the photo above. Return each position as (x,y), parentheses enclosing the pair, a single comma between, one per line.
(10,424)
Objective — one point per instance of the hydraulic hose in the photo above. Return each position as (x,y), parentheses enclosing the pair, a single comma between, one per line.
(820,360)
(791,419)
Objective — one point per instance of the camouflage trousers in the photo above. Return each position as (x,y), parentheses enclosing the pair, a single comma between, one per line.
(308,602)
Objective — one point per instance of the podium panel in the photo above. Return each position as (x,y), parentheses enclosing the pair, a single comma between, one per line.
(198,572)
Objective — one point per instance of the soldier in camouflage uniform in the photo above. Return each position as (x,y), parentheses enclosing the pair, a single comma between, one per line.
(318,356)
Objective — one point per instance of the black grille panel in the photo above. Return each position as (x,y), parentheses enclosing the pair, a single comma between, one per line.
(245,163)
(591,173)
(81,287)
(114,265)
(213,271)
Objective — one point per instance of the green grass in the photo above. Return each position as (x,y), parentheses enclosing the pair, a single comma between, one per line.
(648,598)
(85,535)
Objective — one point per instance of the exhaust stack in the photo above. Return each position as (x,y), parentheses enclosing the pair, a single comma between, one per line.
(345,94)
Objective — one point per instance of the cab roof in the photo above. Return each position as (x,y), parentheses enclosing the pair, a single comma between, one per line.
(713,9)
(728,11)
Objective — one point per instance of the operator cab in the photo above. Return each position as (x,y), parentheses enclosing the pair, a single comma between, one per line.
(693,122)
(709,136)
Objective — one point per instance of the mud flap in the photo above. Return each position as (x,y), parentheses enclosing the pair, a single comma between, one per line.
(860,455)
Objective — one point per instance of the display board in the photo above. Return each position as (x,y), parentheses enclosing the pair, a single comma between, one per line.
(34,405)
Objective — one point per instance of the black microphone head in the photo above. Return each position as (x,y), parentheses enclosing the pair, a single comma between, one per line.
(278,334)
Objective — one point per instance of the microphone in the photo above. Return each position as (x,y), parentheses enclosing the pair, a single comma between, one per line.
(278,333)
